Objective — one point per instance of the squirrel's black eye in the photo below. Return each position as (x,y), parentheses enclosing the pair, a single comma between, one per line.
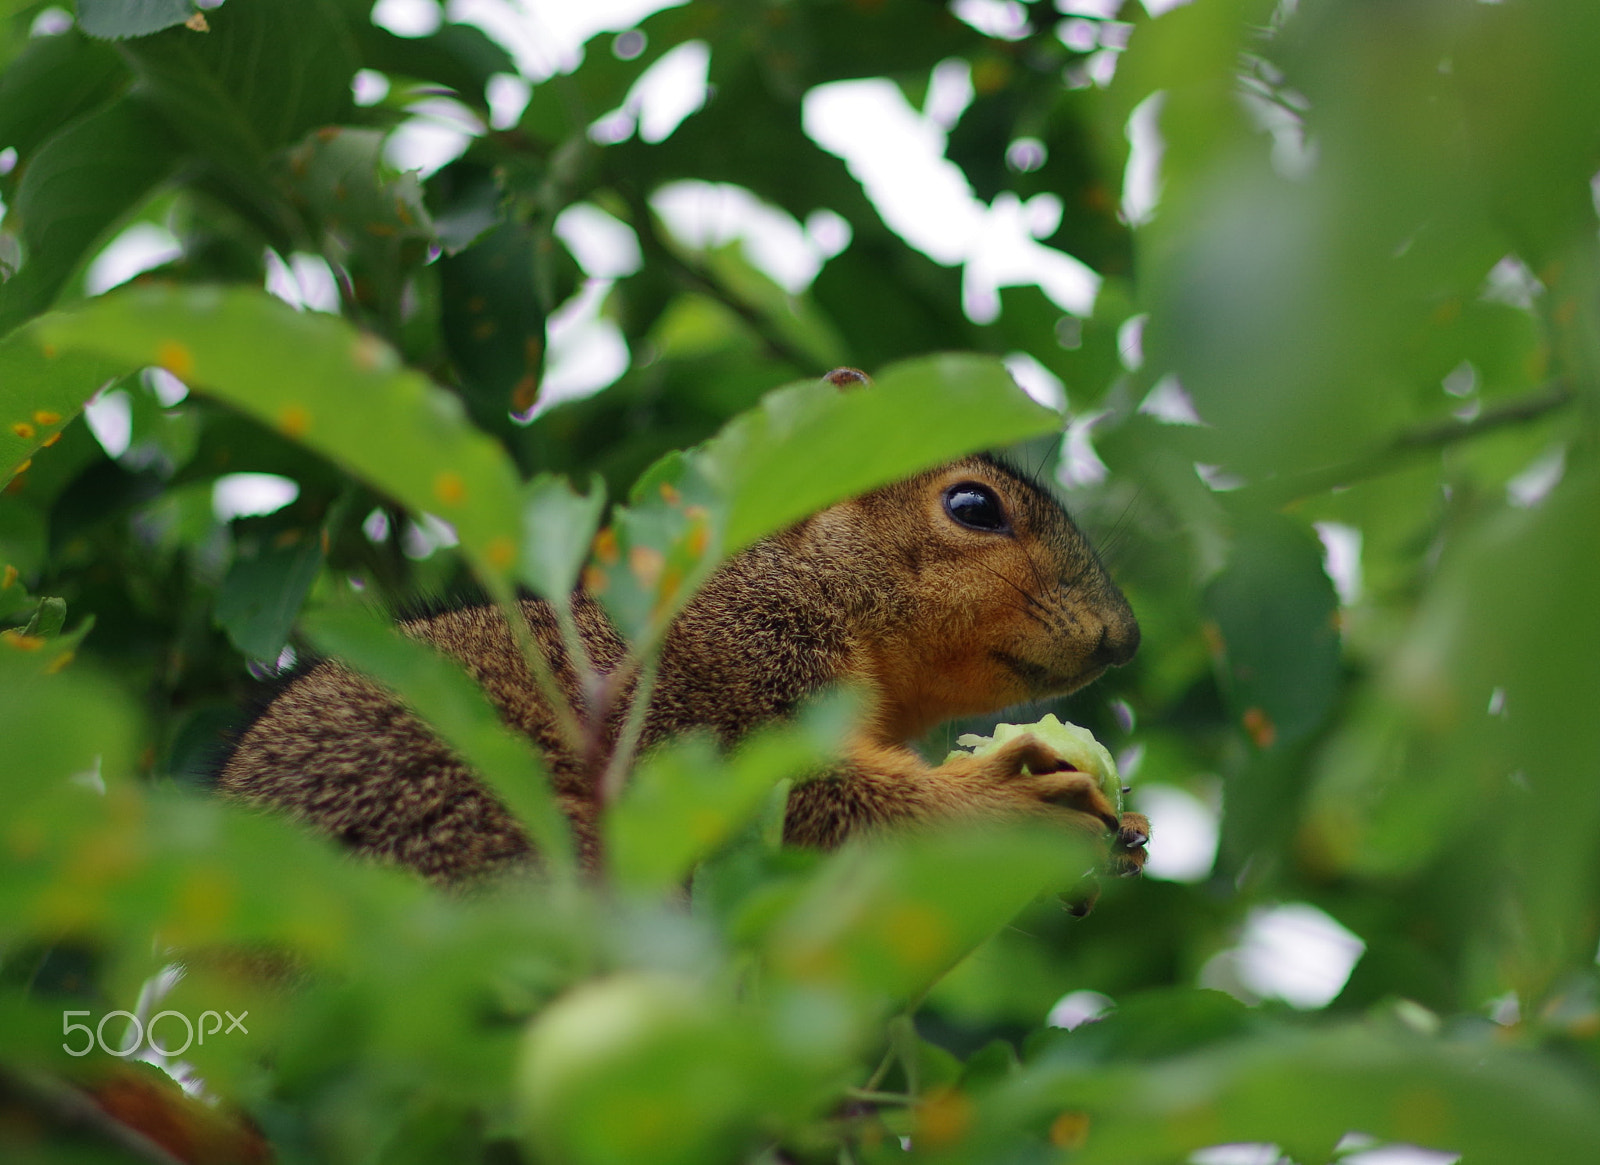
(976,507)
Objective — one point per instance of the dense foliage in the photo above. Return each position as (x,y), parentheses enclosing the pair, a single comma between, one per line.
(1368,267)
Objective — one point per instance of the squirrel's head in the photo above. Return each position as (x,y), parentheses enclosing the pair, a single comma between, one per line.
(978,592)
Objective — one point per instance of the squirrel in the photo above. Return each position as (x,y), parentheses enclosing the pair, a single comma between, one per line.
(958,591)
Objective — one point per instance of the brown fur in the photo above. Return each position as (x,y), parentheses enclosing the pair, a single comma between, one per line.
(934,620)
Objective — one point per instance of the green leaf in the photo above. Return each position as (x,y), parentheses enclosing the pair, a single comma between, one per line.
(52,81)
(266,73)
(1304,1091)
(41,390)
(458,55)
(262,593)
(558,526)
(317,380)
(687,798)
(56,720)
(494,323)
(887,920)
(119,19)
(804,447)
(361,202)
(438,690)
(1276,613)
(76,187)
(810,445)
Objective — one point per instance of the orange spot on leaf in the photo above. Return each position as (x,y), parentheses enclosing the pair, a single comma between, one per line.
(1070,1130)
(943,1118)
(1260,727)
(918,934)
(7,577)
(176,359)
(606,548)
(46,417)
(449,488)
(294,421)
(525,394)
(23,430)
(22,642)
(501,552)
(646,563)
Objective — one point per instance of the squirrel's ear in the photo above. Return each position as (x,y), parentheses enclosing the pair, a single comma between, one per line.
(848,378)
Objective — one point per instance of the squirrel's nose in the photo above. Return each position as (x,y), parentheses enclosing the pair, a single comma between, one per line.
(1118,641)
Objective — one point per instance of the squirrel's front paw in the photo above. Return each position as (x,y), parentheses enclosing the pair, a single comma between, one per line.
(1031,769)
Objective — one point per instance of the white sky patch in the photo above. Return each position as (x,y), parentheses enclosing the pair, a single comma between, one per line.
(671,89)
(1130,341)
(1104,9)
(168,389)
(667,92)
(1400,1155)
(368,87)
(438,132)
(1079,35)
(421,539)
(897,154)
(586,351)
(250,495)
(1141,180)
(1341,558)
(408,18)
(1077,1008)
(949,93)
(1237,1153)
(714,214)
(1292,952)
(1511,282)
(305,282)
(546,37)
(1462,380)
(1162,7)
(376,525)
(1001,19)
(1533,484)
(110,419)
(1217,478)
(50,22)
(1036,380)
(1183,832)
(1168,401)
(605,247)
(142,247)
(1080,464)
(508,97)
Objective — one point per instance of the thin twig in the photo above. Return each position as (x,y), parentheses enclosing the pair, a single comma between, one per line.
(699,279)
(1408,444)
(67,1107)
(869,1096)
(621,761)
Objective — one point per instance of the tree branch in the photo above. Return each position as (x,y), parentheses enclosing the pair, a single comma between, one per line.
(701,280)
(1409,443)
